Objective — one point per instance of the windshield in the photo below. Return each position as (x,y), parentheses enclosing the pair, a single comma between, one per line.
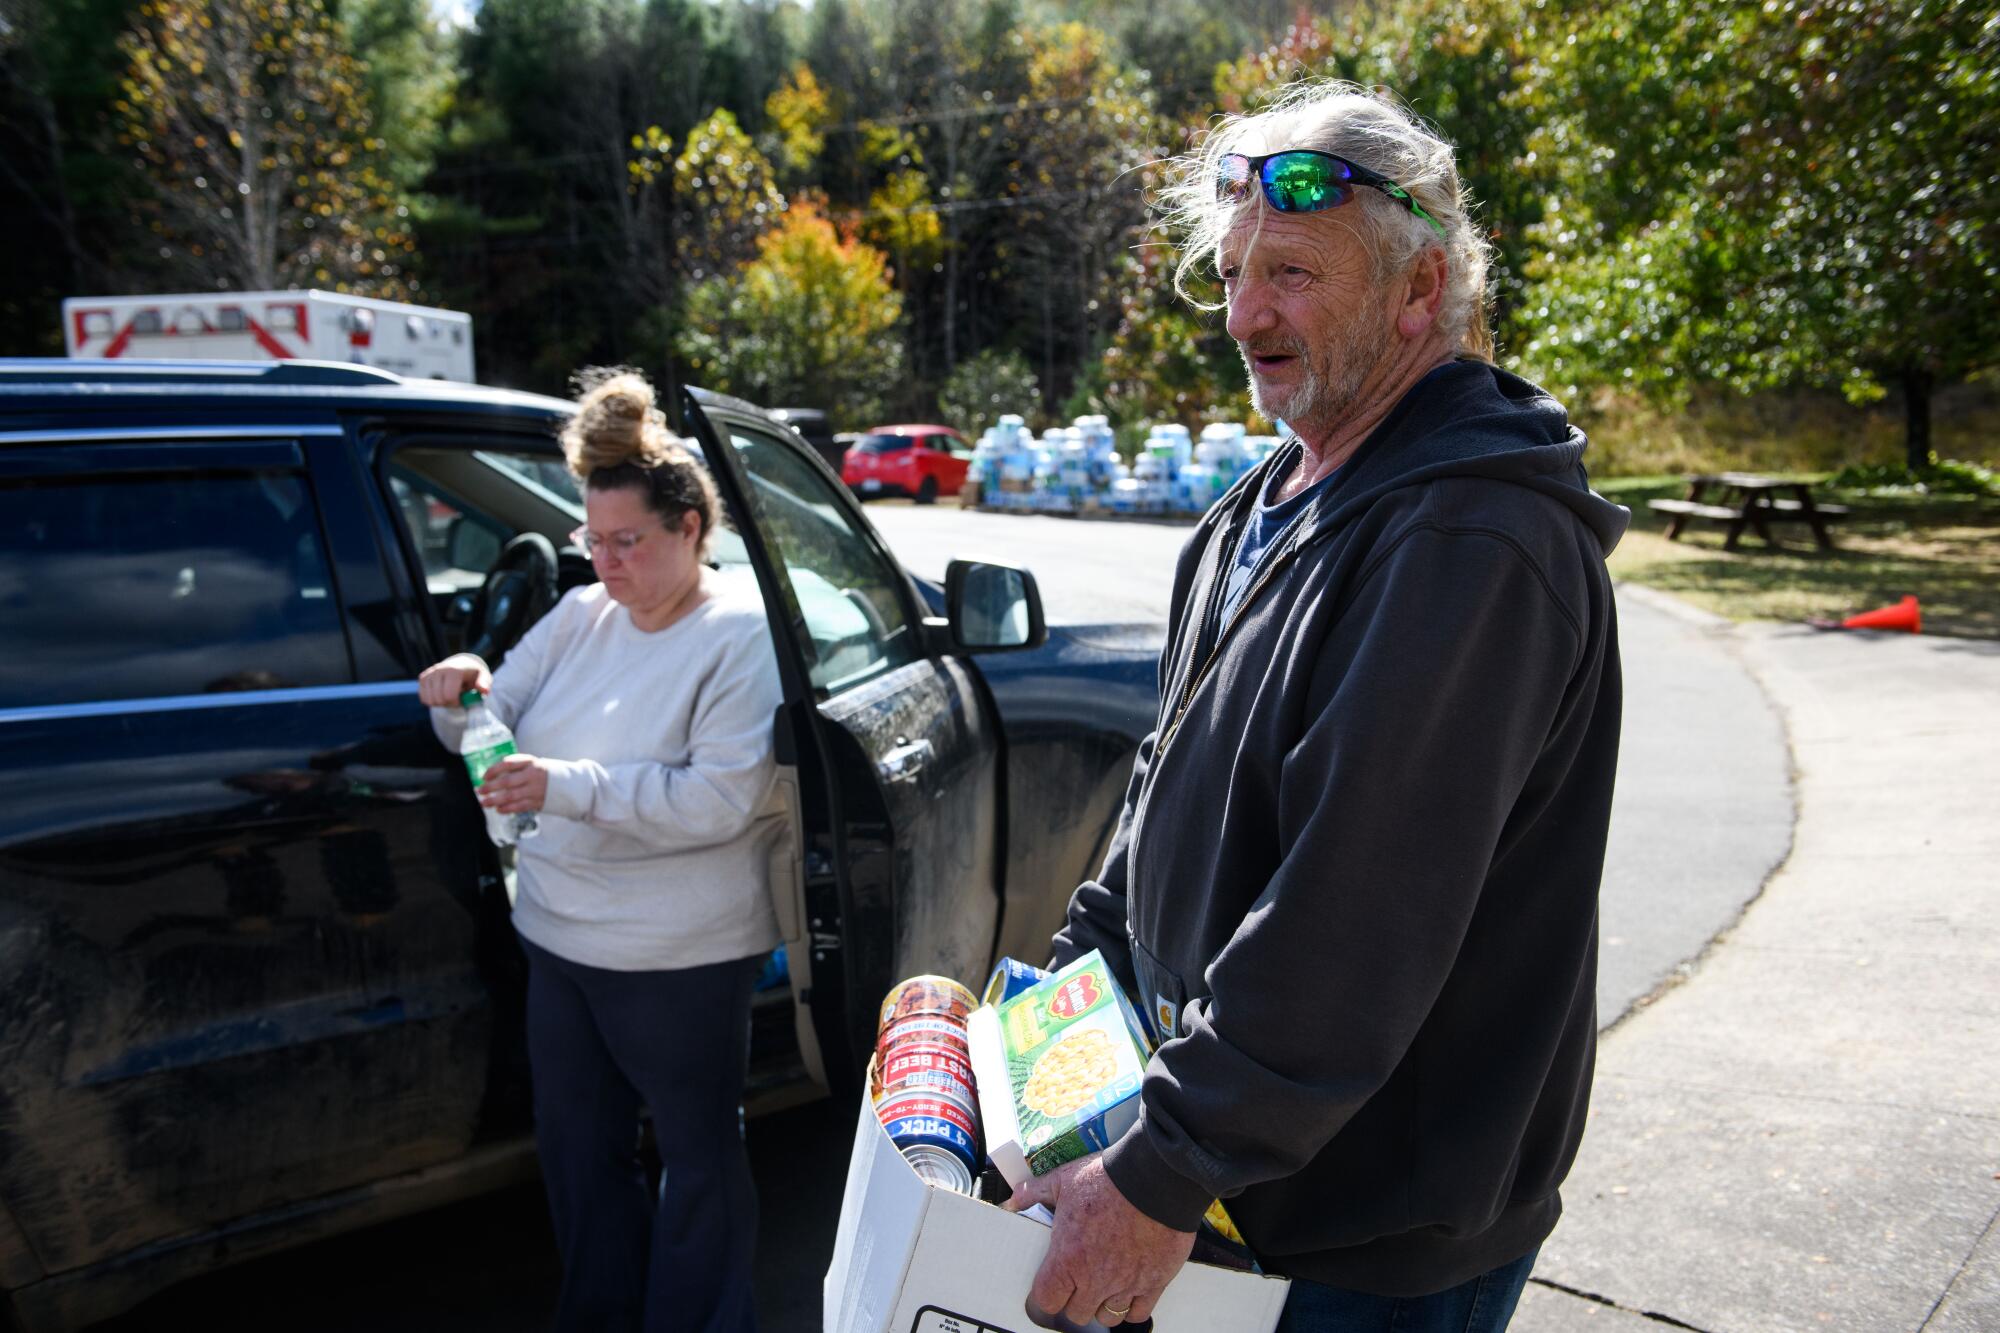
(883,444)
(553,482)
(546,475)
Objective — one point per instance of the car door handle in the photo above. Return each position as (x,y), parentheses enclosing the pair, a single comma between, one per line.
(905,761)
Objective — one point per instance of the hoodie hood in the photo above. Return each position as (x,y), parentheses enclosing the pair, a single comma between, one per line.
(1466,419)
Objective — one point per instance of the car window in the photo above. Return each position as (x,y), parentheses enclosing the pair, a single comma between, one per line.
(502,493)
(550,476)
(849,595)
(883,444)
(137,587)
(429,514)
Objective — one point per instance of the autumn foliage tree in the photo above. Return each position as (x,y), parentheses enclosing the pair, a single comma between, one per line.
(251,123)
(811,319)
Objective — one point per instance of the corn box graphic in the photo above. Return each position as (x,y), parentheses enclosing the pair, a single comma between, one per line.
(1076,1055)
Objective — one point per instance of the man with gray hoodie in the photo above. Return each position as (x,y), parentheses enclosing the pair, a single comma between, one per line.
(1354,883)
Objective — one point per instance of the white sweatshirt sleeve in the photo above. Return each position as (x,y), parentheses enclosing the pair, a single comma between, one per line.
(514,684)
(714,796)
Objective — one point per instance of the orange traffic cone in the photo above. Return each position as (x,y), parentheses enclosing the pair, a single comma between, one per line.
(1904,615)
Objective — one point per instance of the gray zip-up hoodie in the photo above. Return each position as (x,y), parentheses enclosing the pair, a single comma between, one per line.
(1355,878)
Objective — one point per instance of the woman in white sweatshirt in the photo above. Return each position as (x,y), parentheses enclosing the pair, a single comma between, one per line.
(642,706)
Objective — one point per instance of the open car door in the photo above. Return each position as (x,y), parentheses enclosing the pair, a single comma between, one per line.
(893,744)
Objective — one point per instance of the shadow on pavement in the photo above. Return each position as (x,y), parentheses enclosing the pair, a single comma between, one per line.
(489,1265)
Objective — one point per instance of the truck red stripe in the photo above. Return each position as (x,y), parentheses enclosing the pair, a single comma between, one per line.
(266,341)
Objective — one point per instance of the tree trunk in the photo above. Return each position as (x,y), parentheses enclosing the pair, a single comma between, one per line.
(1048,340)
(1917,383)
(951,288)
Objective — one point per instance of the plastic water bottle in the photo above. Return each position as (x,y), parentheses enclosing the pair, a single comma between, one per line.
(485,743)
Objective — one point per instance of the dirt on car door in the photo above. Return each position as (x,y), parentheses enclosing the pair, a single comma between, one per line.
(903,783)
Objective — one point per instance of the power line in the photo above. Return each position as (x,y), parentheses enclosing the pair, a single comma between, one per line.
(586,157)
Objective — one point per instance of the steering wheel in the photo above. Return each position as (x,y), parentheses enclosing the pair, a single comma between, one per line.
(877,627)
(519,590)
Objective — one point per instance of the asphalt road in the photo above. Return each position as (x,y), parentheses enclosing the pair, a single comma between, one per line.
(1703,810)
(1702,815)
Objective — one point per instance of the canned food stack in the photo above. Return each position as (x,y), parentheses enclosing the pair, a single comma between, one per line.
(923,1088)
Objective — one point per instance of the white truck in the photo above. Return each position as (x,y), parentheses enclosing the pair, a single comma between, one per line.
(414,340)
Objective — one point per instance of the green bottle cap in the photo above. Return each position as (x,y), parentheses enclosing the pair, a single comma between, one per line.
(469,698)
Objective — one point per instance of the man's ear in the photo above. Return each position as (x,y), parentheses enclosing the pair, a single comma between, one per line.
(1424,296)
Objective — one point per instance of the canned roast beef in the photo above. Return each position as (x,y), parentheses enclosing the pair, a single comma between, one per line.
(922,1081)
(927,995)
(935,1029)
(937,1103)
(928,1065)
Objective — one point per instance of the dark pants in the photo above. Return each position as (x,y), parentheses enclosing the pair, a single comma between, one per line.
(601,1044)
(1483,1305)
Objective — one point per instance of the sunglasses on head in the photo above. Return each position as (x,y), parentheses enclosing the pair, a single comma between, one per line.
(1305,180)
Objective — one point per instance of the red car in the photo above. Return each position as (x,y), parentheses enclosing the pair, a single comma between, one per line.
(920,461)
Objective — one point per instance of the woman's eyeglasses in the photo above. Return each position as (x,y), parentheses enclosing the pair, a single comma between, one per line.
(1305,180)
(619,544)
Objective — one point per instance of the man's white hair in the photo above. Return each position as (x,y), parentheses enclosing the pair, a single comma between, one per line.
(1370,128)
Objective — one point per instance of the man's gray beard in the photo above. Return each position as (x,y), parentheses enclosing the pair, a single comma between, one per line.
(1322,400)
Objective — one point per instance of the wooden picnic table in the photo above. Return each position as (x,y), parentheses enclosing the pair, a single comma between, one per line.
(1745,500)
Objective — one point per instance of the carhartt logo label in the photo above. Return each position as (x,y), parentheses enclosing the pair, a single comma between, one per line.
(1075,996)
(1163,1016)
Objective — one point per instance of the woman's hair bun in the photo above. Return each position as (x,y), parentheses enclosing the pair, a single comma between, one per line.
(616,422)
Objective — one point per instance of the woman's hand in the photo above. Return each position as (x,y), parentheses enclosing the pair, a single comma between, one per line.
(517,784)
(440,685)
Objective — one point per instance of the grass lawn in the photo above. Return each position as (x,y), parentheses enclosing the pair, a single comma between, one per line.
(1943,548)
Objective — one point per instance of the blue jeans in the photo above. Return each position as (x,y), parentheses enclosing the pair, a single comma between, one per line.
(600,1045)
(1483,1305)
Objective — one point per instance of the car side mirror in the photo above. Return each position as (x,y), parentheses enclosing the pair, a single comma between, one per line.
(992,608)
(467,545)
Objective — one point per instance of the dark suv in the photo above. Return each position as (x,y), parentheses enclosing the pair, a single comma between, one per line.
(257,979)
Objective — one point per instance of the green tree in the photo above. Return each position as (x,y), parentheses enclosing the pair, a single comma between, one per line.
(724,197)
(1460,64)
(532,221)
(982,387)
(902,219)
(408,69)
(811,319)
(252,120)
(1791,193)
(1165,359)
(799,112)
(1081,133)
(699,214)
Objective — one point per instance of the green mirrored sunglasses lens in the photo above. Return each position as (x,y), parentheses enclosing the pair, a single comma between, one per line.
(1300,183)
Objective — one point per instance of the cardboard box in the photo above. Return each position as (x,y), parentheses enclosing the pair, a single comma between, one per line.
(912,1259)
